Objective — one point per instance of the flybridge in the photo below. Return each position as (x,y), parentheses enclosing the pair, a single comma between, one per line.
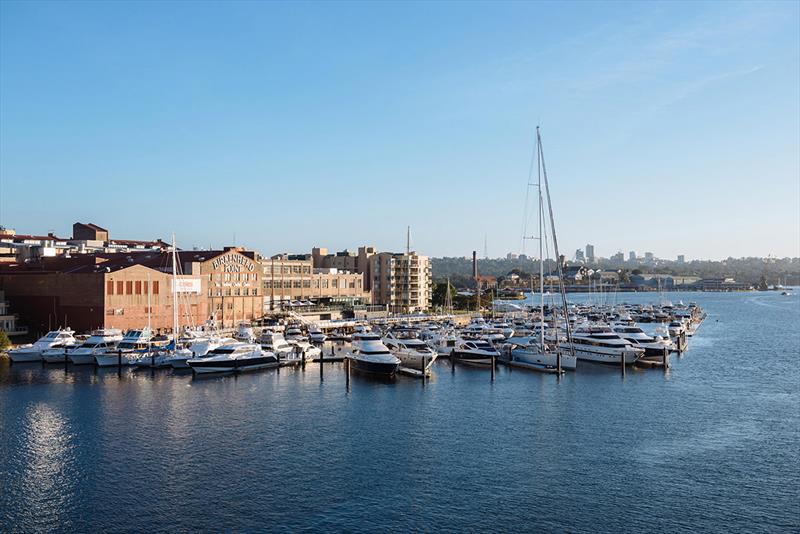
(233,263)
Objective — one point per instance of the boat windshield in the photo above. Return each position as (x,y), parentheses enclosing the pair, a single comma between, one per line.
(222,351)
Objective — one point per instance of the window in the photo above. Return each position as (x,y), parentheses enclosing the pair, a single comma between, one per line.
(110,287)
(306,283)
(268,284)
(237,292)
(138,287)
(246,291)
(255,292)
(296,284)
(155,287)
(129,288)
(120,287)
(335,282)
(228,292)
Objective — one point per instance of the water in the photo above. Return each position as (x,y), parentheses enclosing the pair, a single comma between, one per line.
(710,445)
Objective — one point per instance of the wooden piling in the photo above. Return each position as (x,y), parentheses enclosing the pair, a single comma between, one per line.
(493,365)
(453,361)
(119,359)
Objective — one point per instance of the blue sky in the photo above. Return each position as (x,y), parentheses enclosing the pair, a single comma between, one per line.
(668,127)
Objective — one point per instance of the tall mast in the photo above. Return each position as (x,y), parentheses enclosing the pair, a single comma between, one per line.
(149,326)
(174,295)
(562,289)
(541,245)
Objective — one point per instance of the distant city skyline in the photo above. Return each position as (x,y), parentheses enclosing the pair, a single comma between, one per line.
(671,127)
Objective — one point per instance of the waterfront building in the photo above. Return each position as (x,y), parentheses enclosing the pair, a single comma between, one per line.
(579,256)
(293,277)
(401,281)
(87,239)
(649,258)
(8,320)
(111,290)
(632,256)
(619,257)
(681,258)
(354,262)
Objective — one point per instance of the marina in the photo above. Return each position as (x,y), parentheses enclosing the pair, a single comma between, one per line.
(75,435)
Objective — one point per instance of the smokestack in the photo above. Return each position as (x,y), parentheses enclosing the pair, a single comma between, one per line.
(474,264)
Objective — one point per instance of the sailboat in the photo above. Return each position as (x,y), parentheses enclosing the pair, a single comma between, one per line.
(172,352)
(530,352)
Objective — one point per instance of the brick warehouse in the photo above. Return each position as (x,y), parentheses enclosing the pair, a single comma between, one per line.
(111,290)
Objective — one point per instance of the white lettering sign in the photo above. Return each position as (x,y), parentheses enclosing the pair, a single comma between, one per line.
(233,263)
(187,285)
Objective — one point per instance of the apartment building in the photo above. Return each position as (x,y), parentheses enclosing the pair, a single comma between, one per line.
(401,281)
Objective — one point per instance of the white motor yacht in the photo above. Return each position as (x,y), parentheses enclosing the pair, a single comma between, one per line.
(474,352)
(244,333)
(274,342)
(33,352)
(134,343)
(527,351)
(371,356)
(198,348)
(234,357)
(652,345)
(315,335)
(294,333)
(98,343)
(412,352)
(599,343)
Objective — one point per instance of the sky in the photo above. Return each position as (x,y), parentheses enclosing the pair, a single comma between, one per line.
(667,127)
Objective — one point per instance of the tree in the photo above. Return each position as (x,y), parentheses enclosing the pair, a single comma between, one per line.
(4,341)
(439,296)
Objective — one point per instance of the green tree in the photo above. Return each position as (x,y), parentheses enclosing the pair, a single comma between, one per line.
(4,341)
(439,296)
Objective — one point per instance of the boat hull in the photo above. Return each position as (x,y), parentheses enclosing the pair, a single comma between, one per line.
(609,357)
(416,361)
(374,368)
(82,359)
(110,360)
(470,358)
(547,360)
(24,356)
(233,365)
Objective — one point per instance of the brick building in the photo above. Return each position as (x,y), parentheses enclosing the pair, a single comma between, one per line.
(111,290)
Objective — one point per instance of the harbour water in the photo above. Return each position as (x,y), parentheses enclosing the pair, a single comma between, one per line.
(710,444)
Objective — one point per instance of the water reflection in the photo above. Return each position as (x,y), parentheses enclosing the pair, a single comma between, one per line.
(46,482)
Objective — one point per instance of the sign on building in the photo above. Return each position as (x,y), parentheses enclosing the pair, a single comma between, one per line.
(187,285)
